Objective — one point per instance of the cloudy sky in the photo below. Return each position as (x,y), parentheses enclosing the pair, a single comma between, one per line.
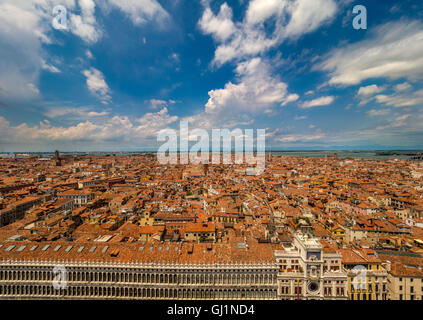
(123,70)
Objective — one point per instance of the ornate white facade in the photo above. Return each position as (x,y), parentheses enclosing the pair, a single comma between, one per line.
(308,272)
(86,280)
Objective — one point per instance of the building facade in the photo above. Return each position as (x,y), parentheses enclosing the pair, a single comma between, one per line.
(307,272)
(79,197)
(404,282)
(135,271)
(84,280)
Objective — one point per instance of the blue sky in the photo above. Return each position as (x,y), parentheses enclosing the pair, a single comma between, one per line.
(124,70)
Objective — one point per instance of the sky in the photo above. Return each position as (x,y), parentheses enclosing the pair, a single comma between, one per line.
(123,70)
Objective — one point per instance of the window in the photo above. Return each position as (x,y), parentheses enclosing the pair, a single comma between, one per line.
(400,296)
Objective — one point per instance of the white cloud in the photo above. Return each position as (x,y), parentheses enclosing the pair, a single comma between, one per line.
(255,90)
(399,121)
(159,104)
(402,87)
(301,137)
(392,51)
(97,85)
(259,11)
(319,102)
(155,121)
(24,28)
(291,98)
(220,25)
(85,25)
(308,15)
(142,11)
(369,90)
(49,67)
(241,40)
(74,113)
(401,99)
(139,12)
(89,54)
(374,113)
(116,128)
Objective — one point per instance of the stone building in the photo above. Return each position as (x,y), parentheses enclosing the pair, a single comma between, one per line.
(308,272)
(404,282)
(161,271)
(367,278)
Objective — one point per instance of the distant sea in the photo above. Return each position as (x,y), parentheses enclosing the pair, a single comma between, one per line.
(352,154)
(342,154)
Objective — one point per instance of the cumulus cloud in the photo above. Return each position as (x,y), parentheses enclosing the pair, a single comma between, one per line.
(97,85)
(256,88)
(247,38)
(159,104)
(85,25)
(221,25)
(307,16)
(392,51)
(319,102)
(116,128)
(152,122)
(369,90)
(255,91)
(141,11)
(26,26)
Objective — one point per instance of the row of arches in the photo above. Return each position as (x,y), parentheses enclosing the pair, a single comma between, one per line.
(148,278)
(130,293)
